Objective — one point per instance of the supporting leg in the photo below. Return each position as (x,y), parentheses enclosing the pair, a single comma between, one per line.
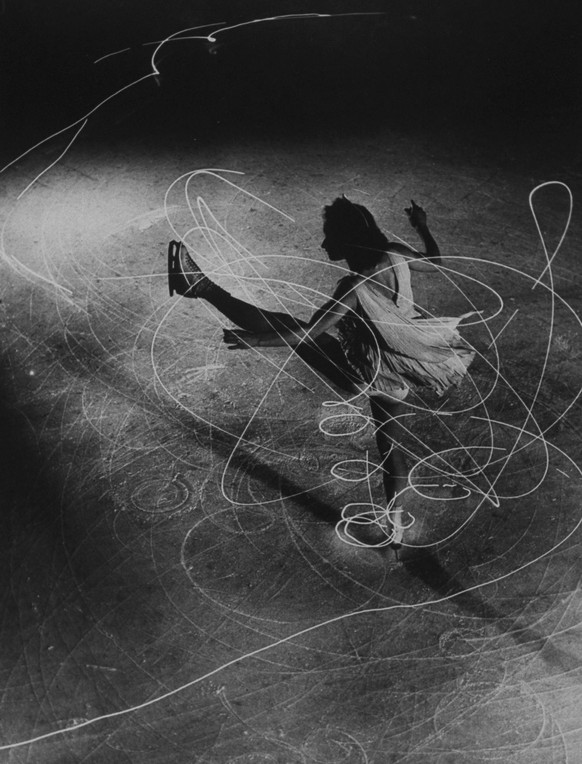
(394,472)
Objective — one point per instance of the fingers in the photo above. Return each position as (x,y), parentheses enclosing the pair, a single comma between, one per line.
(230,338)
(236,340)
(415,212)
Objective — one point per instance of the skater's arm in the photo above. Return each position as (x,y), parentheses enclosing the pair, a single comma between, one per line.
(431,257)
(322,320)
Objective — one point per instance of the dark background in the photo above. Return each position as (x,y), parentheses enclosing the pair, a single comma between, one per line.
(511,66)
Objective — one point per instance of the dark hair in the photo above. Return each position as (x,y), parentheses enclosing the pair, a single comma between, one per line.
(352,228)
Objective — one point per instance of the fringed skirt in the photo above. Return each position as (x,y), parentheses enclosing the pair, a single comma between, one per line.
(391,352)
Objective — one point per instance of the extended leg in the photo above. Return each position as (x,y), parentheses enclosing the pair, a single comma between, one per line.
(186,278)
(324,354)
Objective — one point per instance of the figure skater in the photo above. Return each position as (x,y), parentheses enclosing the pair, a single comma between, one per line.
(385,346)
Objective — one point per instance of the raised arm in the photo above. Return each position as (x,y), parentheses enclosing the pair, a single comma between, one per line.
(323,319)
(420,261)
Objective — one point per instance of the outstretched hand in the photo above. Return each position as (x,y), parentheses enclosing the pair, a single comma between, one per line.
(416,214)
(238,339)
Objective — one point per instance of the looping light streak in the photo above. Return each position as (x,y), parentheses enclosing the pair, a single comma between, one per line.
(523,436)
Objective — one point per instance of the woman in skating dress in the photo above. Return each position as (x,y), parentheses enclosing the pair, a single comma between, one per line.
(387,347)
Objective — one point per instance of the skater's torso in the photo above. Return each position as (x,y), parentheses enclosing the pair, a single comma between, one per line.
(391,278)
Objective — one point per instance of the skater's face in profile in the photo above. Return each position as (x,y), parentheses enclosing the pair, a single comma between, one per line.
(332,248)
(351,234)
(332,243)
